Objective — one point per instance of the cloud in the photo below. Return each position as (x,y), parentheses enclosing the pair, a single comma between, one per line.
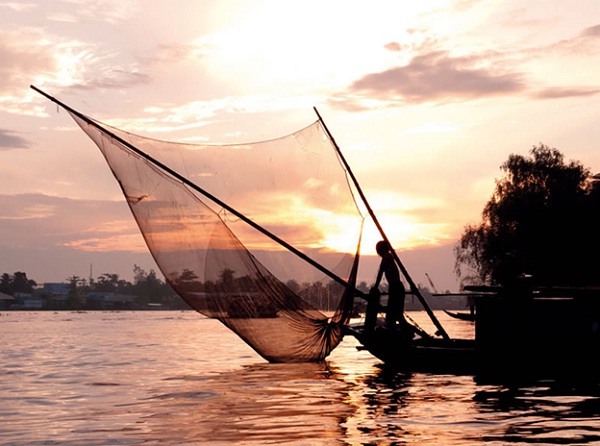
(592,31)
(112,12)
(558,93)
(22,53)
(8,140)
(175,53)
(584,43)
(18,7)
(53,238)
(393,46)
(57,63)
(435,77)
(115,79)
(36,220)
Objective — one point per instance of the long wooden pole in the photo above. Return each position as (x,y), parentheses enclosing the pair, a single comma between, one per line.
(197,188)
(413,287)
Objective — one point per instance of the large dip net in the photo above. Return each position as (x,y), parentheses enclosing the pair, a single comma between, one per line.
(264,236)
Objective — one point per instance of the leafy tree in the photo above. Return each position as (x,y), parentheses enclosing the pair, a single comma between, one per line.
(16,283)
(5,281)
(544,214)
(293,285)
(111,283)
(187,280)
(362,286)
(226,279)
(74,297)
(148,288)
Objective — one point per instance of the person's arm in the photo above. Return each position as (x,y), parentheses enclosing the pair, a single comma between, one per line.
(379,276)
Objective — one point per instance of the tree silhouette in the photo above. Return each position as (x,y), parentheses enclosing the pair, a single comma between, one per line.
(16,283)
(544,214)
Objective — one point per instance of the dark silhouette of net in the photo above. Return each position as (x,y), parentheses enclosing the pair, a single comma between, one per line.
(286,308)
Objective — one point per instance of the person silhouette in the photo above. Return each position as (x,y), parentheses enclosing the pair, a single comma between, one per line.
(396,290)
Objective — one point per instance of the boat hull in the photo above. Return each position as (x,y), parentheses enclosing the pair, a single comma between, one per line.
(536,338)
(418,355)
(461,316)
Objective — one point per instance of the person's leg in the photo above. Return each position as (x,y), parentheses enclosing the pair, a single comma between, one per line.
(372,311)
(392,314)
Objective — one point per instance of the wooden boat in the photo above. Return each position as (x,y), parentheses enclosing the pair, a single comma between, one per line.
(409,353)
(463,316)
(546,333)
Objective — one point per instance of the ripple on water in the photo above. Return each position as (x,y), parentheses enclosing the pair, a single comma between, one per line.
(165,378)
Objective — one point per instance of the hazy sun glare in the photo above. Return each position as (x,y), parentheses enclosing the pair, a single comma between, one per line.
(307,49)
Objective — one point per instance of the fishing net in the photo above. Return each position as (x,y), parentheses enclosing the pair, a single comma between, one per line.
(263,236)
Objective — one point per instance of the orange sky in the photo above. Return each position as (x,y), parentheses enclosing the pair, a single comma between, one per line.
(426,100)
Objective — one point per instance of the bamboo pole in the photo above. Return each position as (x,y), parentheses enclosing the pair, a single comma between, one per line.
(197,188)
(413,287)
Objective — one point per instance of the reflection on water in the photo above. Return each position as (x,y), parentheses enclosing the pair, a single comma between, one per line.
(452,410)
(259,404)
(175,378)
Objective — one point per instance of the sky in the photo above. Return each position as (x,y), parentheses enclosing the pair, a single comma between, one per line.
(425,99)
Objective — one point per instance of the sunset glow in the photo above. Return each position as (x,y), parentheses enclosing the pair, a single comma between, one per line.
(426,101)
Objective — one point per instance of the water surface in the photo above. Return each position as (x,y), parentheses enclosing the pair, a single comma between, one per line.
(176,378)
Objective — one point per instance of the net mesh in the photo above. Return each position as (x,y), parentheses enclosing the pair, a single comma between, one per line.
(209,219)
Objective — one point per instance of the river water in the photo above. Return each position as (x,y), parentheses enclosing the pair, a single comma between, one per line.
(176,378)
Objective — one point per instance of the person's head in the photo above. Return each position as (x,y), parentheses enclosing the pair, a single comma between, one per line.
(382,247)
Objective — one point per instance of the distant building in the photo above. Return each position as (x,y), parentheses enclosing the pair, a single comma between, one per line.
(109,301)
(57,289)
(55,295)
(28,301)
(6,301)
